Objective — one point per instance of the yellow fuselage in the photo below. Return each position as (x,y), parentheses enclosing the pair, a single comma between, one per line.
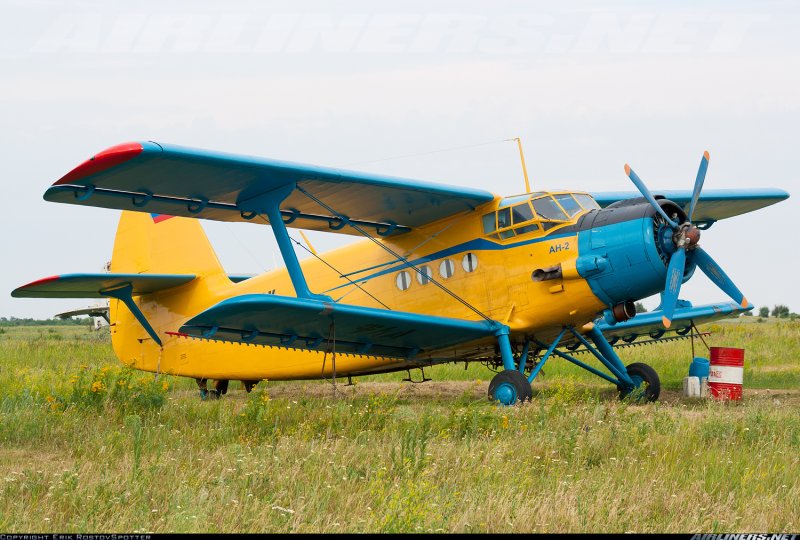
(499,285)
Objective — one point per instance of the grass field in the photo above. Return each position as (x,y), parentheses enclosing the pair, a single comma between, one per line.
(87,446)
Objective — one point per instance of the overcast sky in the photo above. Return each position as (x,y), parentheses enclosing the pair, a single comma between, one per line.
(588,86)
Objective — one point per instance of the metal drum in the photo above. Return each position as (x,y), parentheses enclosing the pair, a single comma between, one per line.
(726,373)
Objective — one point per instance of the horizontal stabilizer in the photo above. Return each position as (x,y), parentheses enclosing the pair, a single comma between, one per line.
(650,323)
(93,285)
(172,180)
(281,321)
(713,204)
(98,311)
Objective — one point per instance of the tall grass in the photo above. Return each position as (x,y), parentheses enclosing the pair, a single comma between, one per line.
(139,454)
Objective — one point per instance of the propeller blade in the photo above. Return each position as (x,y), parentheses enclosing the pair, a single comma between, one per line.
(647,195)
(698,183)
(675,270)
(720,278)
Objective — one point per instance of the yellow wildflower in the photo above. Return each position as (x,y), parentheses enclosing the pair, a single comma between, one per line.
(165,386)
(97,386)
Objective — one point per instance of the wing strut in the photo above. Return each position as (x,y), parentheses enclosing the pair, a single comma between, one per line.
(269,203)
(125,294)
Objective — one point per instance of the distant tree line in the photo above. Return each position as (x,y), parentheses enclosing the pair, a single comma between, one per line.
(779,312)
(14,321)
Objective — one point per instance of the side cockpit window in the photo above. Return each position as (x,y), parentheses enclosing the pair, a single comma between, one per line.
(489,223)
(521,213)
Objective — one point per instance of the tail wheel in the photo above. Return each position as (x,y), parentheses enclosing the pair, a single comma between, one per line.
(647,384)
(509,387)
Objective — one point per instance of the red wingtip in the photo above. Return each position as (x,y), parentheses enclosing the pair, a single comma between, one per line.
(110,157)
(40,282)
(667,323)
(627,169)
(706,155)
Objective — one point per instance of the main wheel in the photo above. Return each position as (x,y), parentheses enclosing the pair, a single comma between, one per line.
(249,385)
(510,386)
(648,385)
(220,389)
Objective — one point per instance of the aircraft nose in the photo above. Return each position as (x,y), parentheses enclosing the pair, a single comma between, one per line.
(625,252)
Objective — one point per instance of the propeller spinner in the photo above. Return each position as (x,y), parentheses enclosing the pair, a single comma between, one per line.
(686,237)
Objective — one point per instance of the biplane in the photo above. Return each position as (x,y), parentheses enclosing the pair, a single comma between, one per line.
(442,273)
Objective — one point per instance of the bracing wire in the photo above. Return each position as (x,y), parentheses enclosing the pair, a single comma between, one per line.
(465,147)
(326,263)
(397,255)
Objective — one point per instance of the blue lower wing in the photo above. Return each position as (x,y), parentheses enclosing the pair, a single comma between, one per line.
(281,321)
(650,323)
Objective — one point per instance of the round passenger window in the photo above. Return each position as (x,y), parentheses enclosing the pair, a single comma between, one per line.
(469,262)
(424,275)
(447,268)
(403,280)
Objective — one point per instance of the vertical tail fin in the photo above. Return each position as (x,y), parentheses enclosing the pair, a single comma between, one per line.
(160,244)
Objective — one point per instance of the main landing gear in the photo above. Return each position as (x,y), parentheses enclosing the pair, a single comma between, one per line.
(221,388)
(637,382)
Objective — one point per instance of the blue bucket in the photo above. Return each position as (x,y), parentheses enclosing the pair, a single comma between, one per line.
(699,368)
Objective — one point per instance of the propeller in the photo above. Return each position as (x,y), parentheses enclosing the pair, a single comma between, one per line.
(685,237)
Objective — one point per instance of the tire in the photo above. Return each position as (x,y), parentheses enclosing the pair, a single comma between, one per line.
(249,385)
(509,387)
(221,386)
(648,387)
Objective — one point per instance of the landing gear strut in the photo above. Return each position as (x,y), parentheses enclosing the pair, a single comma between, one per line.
(637,382)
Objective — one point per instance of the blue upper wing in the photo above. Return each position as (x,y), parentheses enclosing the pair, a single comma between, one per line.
(167,179)
(713,205)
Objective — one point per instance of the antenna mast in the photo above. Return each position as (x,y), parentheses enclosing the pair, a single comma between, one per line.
(522,159)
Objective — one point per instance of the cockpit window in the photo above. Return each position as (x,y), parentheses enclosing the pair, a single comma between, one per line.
(570,205)
(503,218)
(534,212)
(547,208)
(521,213)
(587,201)
(489,225)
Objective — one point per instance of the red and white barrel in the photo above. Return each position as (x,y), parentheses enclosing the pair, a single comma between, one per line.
(726,372)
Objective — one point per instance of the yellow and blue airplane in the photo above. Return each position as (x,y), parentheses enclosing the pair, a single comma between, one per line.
(443,274)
